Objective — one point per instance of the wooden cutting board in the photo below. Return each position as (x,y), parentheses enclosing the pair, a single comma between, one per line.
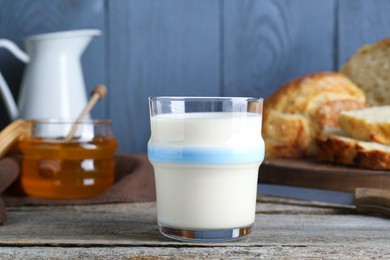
(319,175)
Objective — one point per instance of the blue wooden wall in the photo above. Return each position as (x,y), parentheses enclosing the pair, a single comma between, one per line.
(190,47)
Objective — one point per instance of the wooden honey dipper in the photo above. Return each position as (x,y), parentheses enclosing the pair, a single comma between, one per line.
(48,168)
(98,93)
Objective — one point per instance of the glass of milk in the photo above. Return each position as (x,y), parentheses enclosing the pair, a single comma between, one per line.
(206,152)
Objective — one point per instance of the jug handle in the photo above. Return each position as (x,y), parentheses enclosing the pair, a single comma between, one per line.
(4,89)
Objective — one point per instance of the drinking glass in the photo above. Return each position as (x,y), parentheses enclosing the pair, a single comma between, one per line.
(206,152)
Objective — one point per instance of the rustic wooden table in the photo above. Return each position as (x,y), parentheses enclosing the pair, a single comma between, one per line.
(284,229)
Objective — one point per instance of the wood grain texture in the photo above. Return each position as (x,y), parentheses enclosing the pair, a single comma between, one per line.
(283,229)
(177,47)
(158,48)
(269,42)
(361,22)
(372,251)
(320,175)
(21,18)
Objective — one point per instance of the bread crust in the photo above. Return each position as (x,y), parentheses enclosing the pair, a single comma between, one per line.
(291,121)
(306,94)
(337,148)
(377,160)
(286,135)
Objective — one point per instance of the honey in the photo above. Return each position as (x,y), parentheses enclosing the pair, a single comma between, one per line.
(67,170)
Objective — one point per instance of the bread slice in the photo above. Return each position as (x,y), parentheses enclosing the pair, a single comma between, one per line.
(368,124)
(336,147)
(369,68)
(327,116)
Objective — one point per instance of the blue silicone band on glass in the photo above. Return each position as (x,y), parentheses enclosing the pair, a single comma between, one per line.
(172,154)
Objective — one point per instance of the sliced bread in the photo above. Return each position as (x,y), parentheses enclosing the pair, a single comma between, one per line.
(298,111)
(368,124)
(305,94)
(336,147)
(369,68)
(328,114)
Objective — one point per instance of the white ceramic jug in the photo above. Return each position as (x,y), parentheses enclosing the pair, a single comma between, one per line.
(53,84)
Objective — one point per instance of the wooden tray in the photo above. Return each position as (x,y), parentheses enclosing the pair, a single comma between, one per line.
(314,174)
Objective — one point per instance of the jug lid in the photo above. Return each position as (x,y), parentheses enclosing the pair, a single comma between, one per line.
(63,34)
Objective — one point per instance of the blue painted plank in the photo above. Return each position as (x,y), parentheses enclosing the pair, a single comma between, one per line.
(269,42)
(361,22)
(230,48)
(158,48)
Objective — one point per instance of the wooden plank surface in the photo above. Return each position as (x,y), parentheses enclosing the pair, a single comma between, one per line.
(158,48)
(229,48)
(267,252)
(283,228)
(320,175)
(267,43)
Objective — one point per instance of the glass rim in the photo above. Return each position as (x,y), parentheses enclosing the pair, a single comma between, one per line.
(204,98)
(62,121)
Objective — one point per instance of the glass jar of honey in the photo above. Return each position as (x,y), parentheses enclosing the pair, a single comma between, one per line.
(67,160)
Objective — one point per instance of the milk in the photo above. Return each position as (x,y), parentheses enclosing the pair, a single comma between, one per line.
(206,167)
